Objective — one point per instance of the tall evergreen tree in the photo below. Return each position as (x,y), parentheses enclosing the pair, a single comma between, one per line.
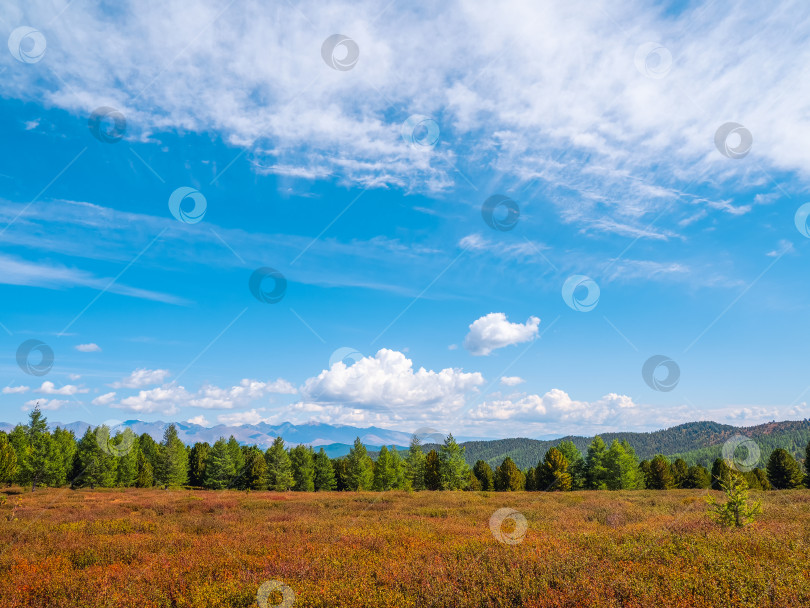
(254,475)
(622,467)
(151,452)
(95,466)
(783,470)
(415,465)
(340,466)
(680,471)
(146,475)
(173,459)
(660,476)
(397,469)
(127,461)
(219,467)
(382,471)
(324,472)
(433,471)
(65,443)
(576,464)
(18,439)
(8,460)
(485,475)
(196,463)
(552,472)
(697,477)
(360,474)
(454,467)
(531,479)
(807,463)
(595,471)
(40,464)
(721,474)
(509,478)
(238,460)
(279,467)
(303,468)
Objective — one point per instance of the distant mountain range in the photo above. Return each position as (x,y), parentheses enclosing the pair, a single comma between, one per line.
(696,442)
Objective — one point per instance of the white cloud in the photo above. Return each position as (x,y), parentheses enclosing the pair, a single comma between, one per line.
(512,380)
(239,418)
(92,347)
(105,399)
(163,400)
(49,388)
(214,397)
(200,420)
(494,331)
(13,390)
(74,377)
(142,377)
(47,404)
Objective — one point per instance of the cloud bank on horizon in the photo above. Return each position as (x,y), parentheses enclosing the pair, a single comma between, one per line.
(202,208)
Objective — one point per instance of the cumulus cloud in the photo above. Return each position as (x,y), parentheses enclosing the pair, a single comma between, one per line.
(200,420)
(253,416)
(164,400)
(49,388)
(512,380)
(142,377)
(105,399)
(47,404)
(214,397)
(91,347)
(494,331)
(13,390)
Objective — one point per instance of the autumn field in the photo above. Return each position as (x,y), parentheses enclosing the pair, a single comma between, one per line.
(136,547)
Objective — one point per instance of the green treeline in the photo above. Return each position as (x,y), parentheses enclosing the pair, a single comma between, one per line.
(33,456)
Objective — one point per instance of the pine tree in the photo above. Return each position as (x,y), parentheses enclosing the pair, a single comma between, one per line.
(415,465)
(660,475)
(622,468)
(254,476)
(219,468)
(552,472)
(324,472)
(95,466)
(783,470)
(807,463)
(8,460)
(196,463)
(735,511)
(508,478)
(151,452)
(279,467)
(531,479)
(238,460)
(146,476)
(762,478)
(485,475)
(303,468)
(453,465)
(360,474)
(697,477)
(65,443)
(382,472)
(721,474)
(127,465)
(433,471)
(473,485)
(397,470)
(595,471)
(680,471)
(173,469)
(576,464)
(18,439)
(340,466)
(40,464)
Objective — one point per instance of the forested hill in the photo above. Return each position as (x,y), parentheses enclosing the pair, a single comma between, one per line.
(696,442)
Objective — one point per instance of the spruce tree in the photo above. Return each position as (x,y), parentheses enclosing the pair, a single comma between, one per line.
(531,479)
(736,511)
(360,474)
(219,468)
(382,471)
(279,467)
(196,463)
(40,464)
(8,460)
(576,464)
(127,465)
(146,476)
(340,466)
(95,466)
(324,472)
(454,467)
(433,471)
(697,477)
(65,443)
(173,459)
(397,469)
(303,468)
(485,476)
(415,465)
(151,452)
(595,471)
(807,463)
(552,472)
(622,470)
(783,470)
(238,460)
(254,476)
(721,474)
(680,471)
(509,478)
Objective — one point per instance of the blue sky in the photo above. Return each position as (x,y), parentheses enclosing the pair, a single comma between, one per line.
(601,126)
